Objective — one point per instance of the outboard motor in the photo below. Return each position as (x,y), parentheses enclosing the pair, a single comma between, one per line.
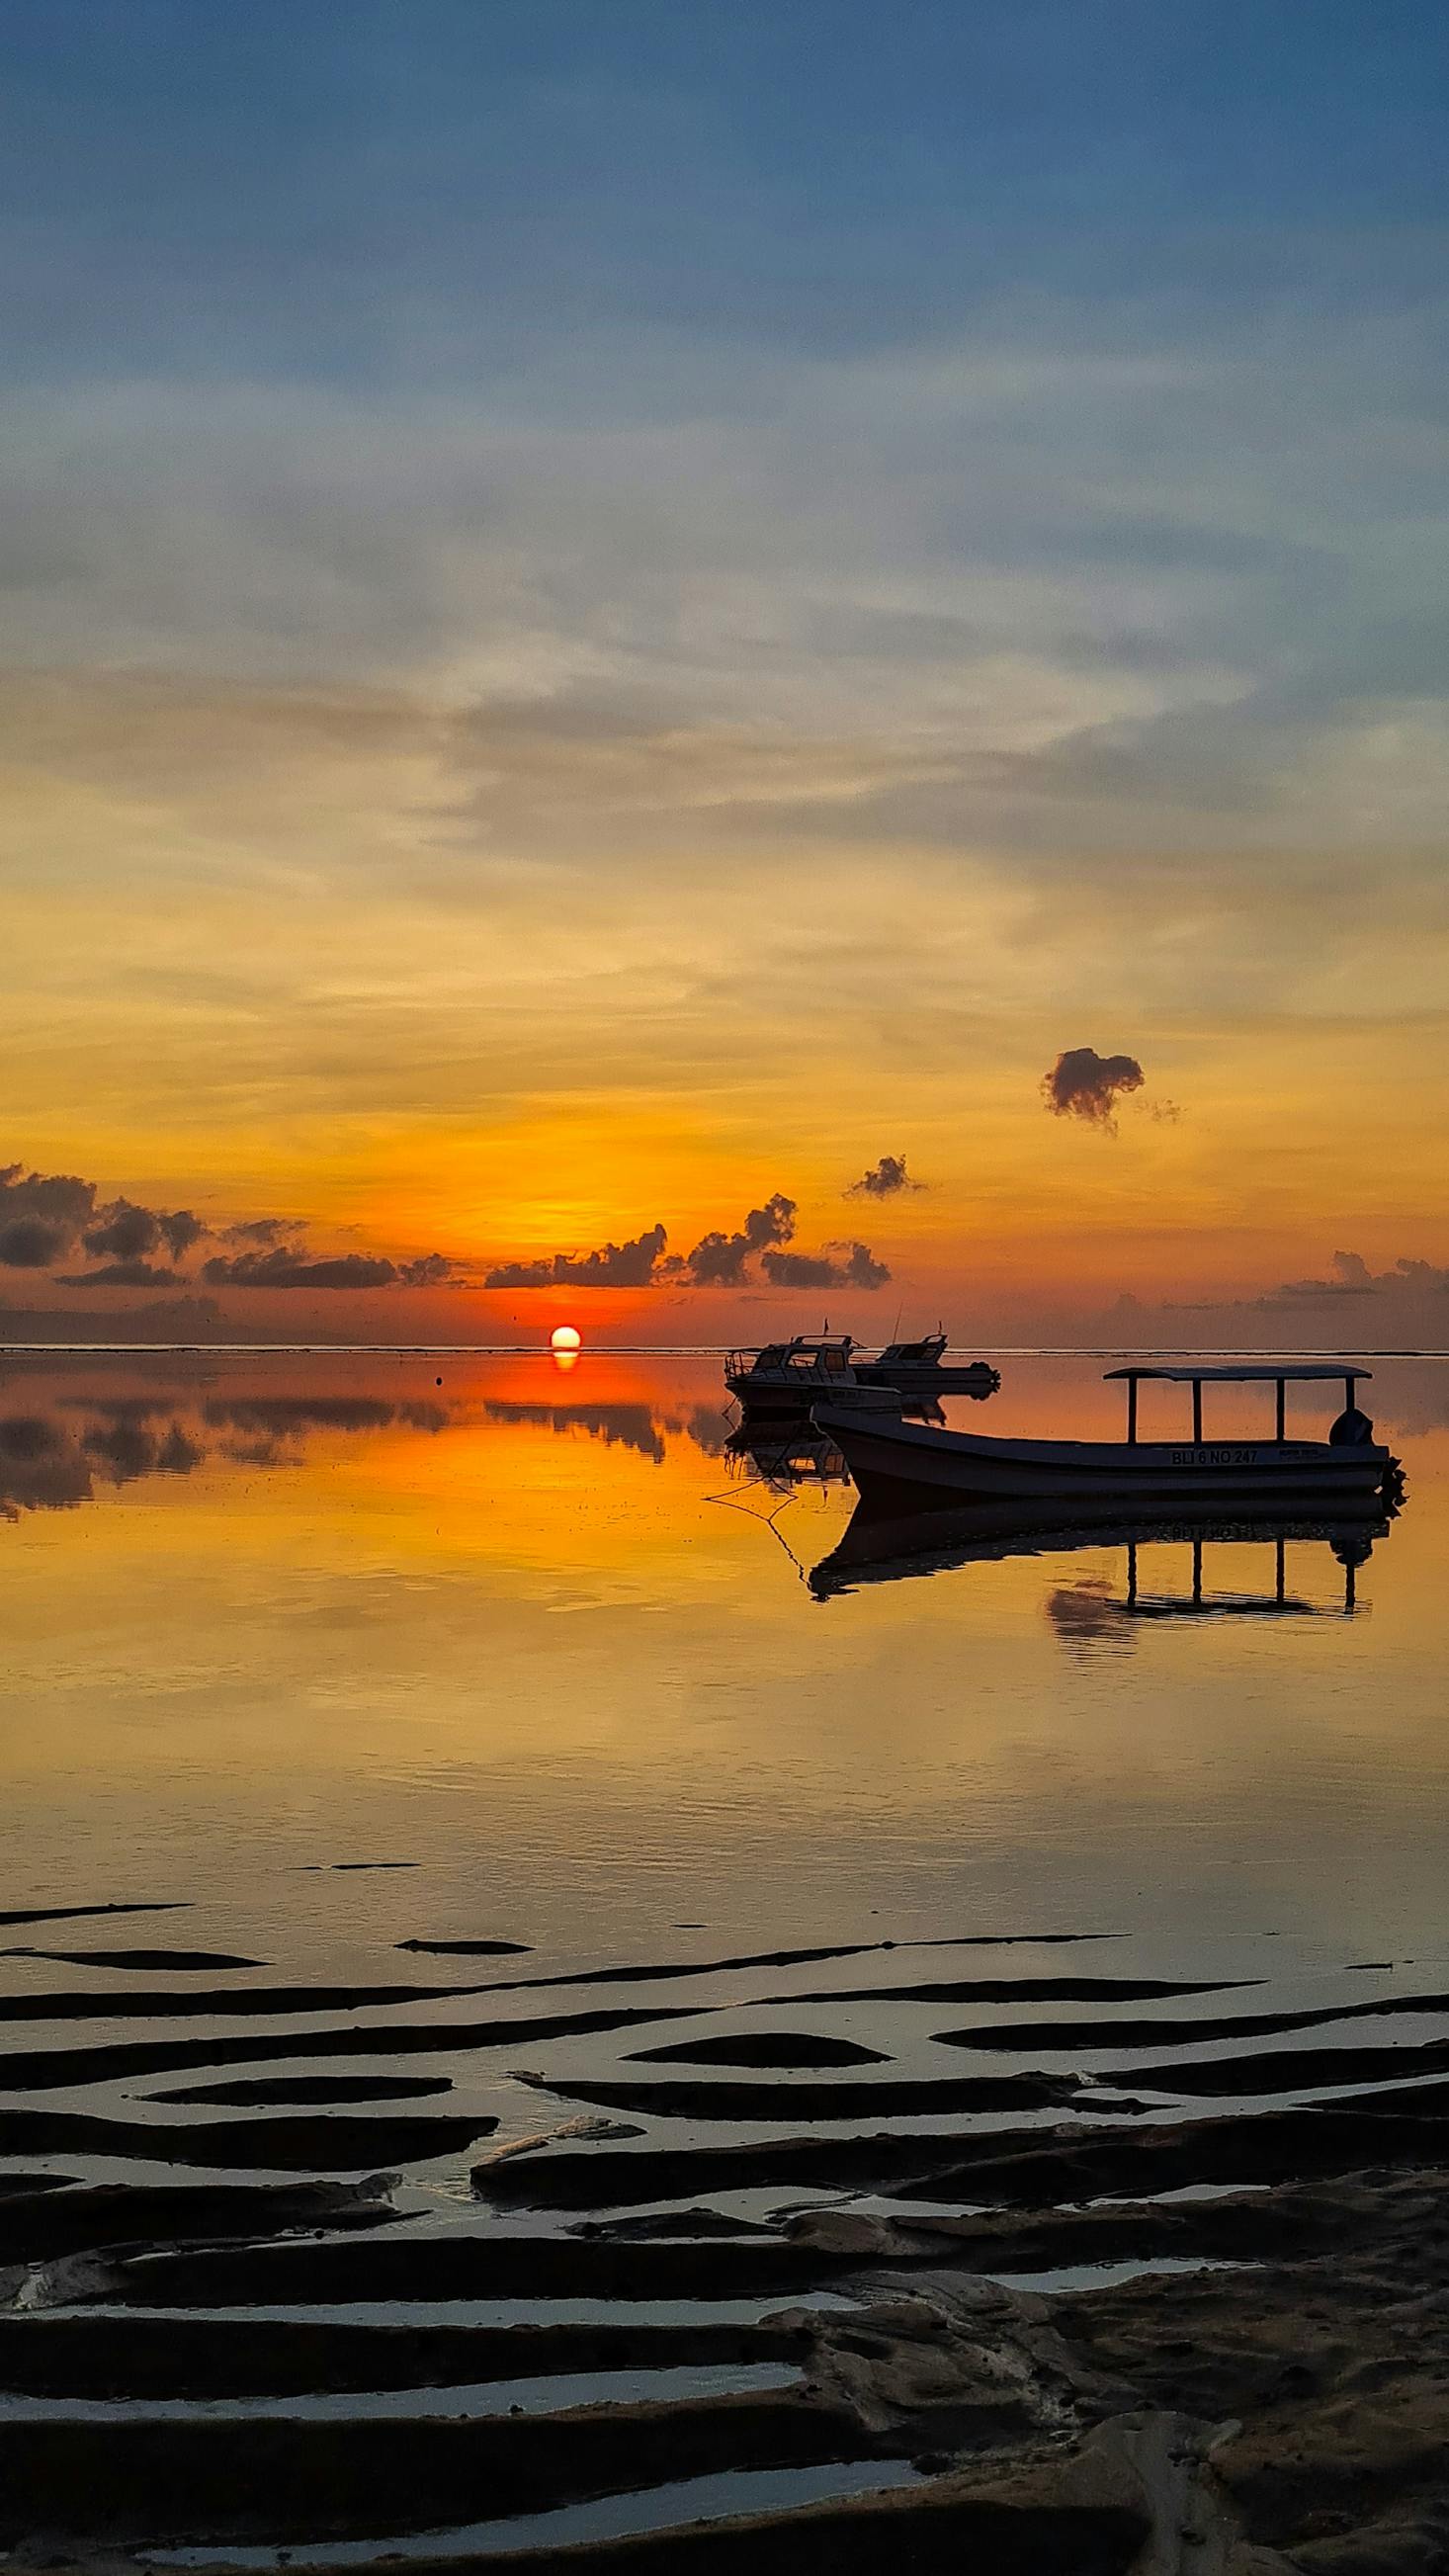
(1352,1430)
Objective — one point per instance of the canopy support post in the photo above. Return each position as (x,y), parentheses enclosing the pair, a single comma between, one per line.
(1132,1413)
(1282,1410)
(1197,1410)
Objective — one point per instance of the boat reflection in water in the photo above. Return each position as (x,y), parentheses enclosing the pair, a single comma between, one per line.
(782,1454)
(874,1549)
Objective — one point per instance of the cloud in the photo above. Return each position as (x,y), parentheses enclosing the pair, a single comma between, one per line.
(289,1269)
(718,1260)
(859,1269)
(261,1230)
(58,1197)
(32,1242)
(46,1217)
(127,1232)
(1404,1305)
(123,1274)
(1350,1276)
(884,1180)
(618,1265)
(40,1215)
(1085,1085)
(430,1270)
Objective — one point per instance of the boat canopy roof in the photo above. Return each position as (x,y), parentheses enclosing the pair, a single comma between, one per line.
(1272,1373)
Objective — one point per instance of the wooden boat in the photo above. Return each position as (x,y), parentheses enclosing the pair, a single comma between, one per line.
(791,1378)
(921,1369)
(899,1466)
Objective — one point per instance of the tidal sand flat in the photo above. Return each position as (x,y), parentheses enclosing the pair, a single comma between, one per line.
(981,2320)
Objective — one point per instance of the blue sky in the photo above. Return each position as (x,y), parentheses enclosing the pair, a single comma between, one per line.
(288,182)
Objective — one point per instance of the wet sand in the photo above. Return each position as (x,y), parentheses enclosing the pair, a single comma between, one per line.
(1130,2295)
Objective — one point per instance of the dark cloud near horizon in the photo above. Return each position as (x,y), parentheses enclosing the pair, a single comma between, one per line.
(32,1242)
(859,1268)
(260,1231)
(59,1198)
(47,1218)
(127,1232)
(123,1274)
(884,1180)
(618,1265)
(291,1266)
(1085,1085)
(718,1260)
(1351,1277)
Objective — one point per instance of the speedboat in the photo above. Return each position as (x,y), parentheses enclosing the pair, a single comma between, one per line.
(901,1466)
(794,1377)
(920,1368)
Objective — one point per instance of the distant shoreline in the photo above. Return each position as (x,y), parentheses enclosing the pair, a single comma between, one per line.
(693,1350)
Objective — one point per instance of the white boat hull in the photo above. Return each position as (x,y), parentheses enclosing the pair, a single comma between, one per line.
(909,1466)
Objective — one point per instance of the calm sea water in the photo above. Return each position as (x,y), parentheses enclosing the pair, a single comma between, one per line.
(541,1640)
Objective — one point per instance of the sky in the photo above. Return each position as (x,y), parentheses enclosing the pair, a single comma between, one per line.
(619,619)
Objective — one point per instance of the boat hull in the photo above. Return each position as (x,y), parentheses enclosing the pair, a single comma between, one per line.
(780,1400)
(904,1467)
(978,1379)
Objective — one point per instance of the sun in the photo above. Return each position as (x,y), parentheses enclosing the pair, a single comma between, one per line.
(565,1337)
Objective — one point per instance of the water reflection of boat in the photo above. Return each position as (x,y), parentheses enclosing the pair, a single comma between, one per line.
(876,1550)
(921,1368)
(903,1467)
(785,1452)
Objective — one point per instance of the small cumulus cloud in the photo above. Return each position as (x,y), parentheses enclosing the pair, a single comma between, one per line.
(718,1259)
(262,1231)
(885,1180)
(127,1232)
(1085,1085)
(32,1242)
(430,1270)
(60,1198)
